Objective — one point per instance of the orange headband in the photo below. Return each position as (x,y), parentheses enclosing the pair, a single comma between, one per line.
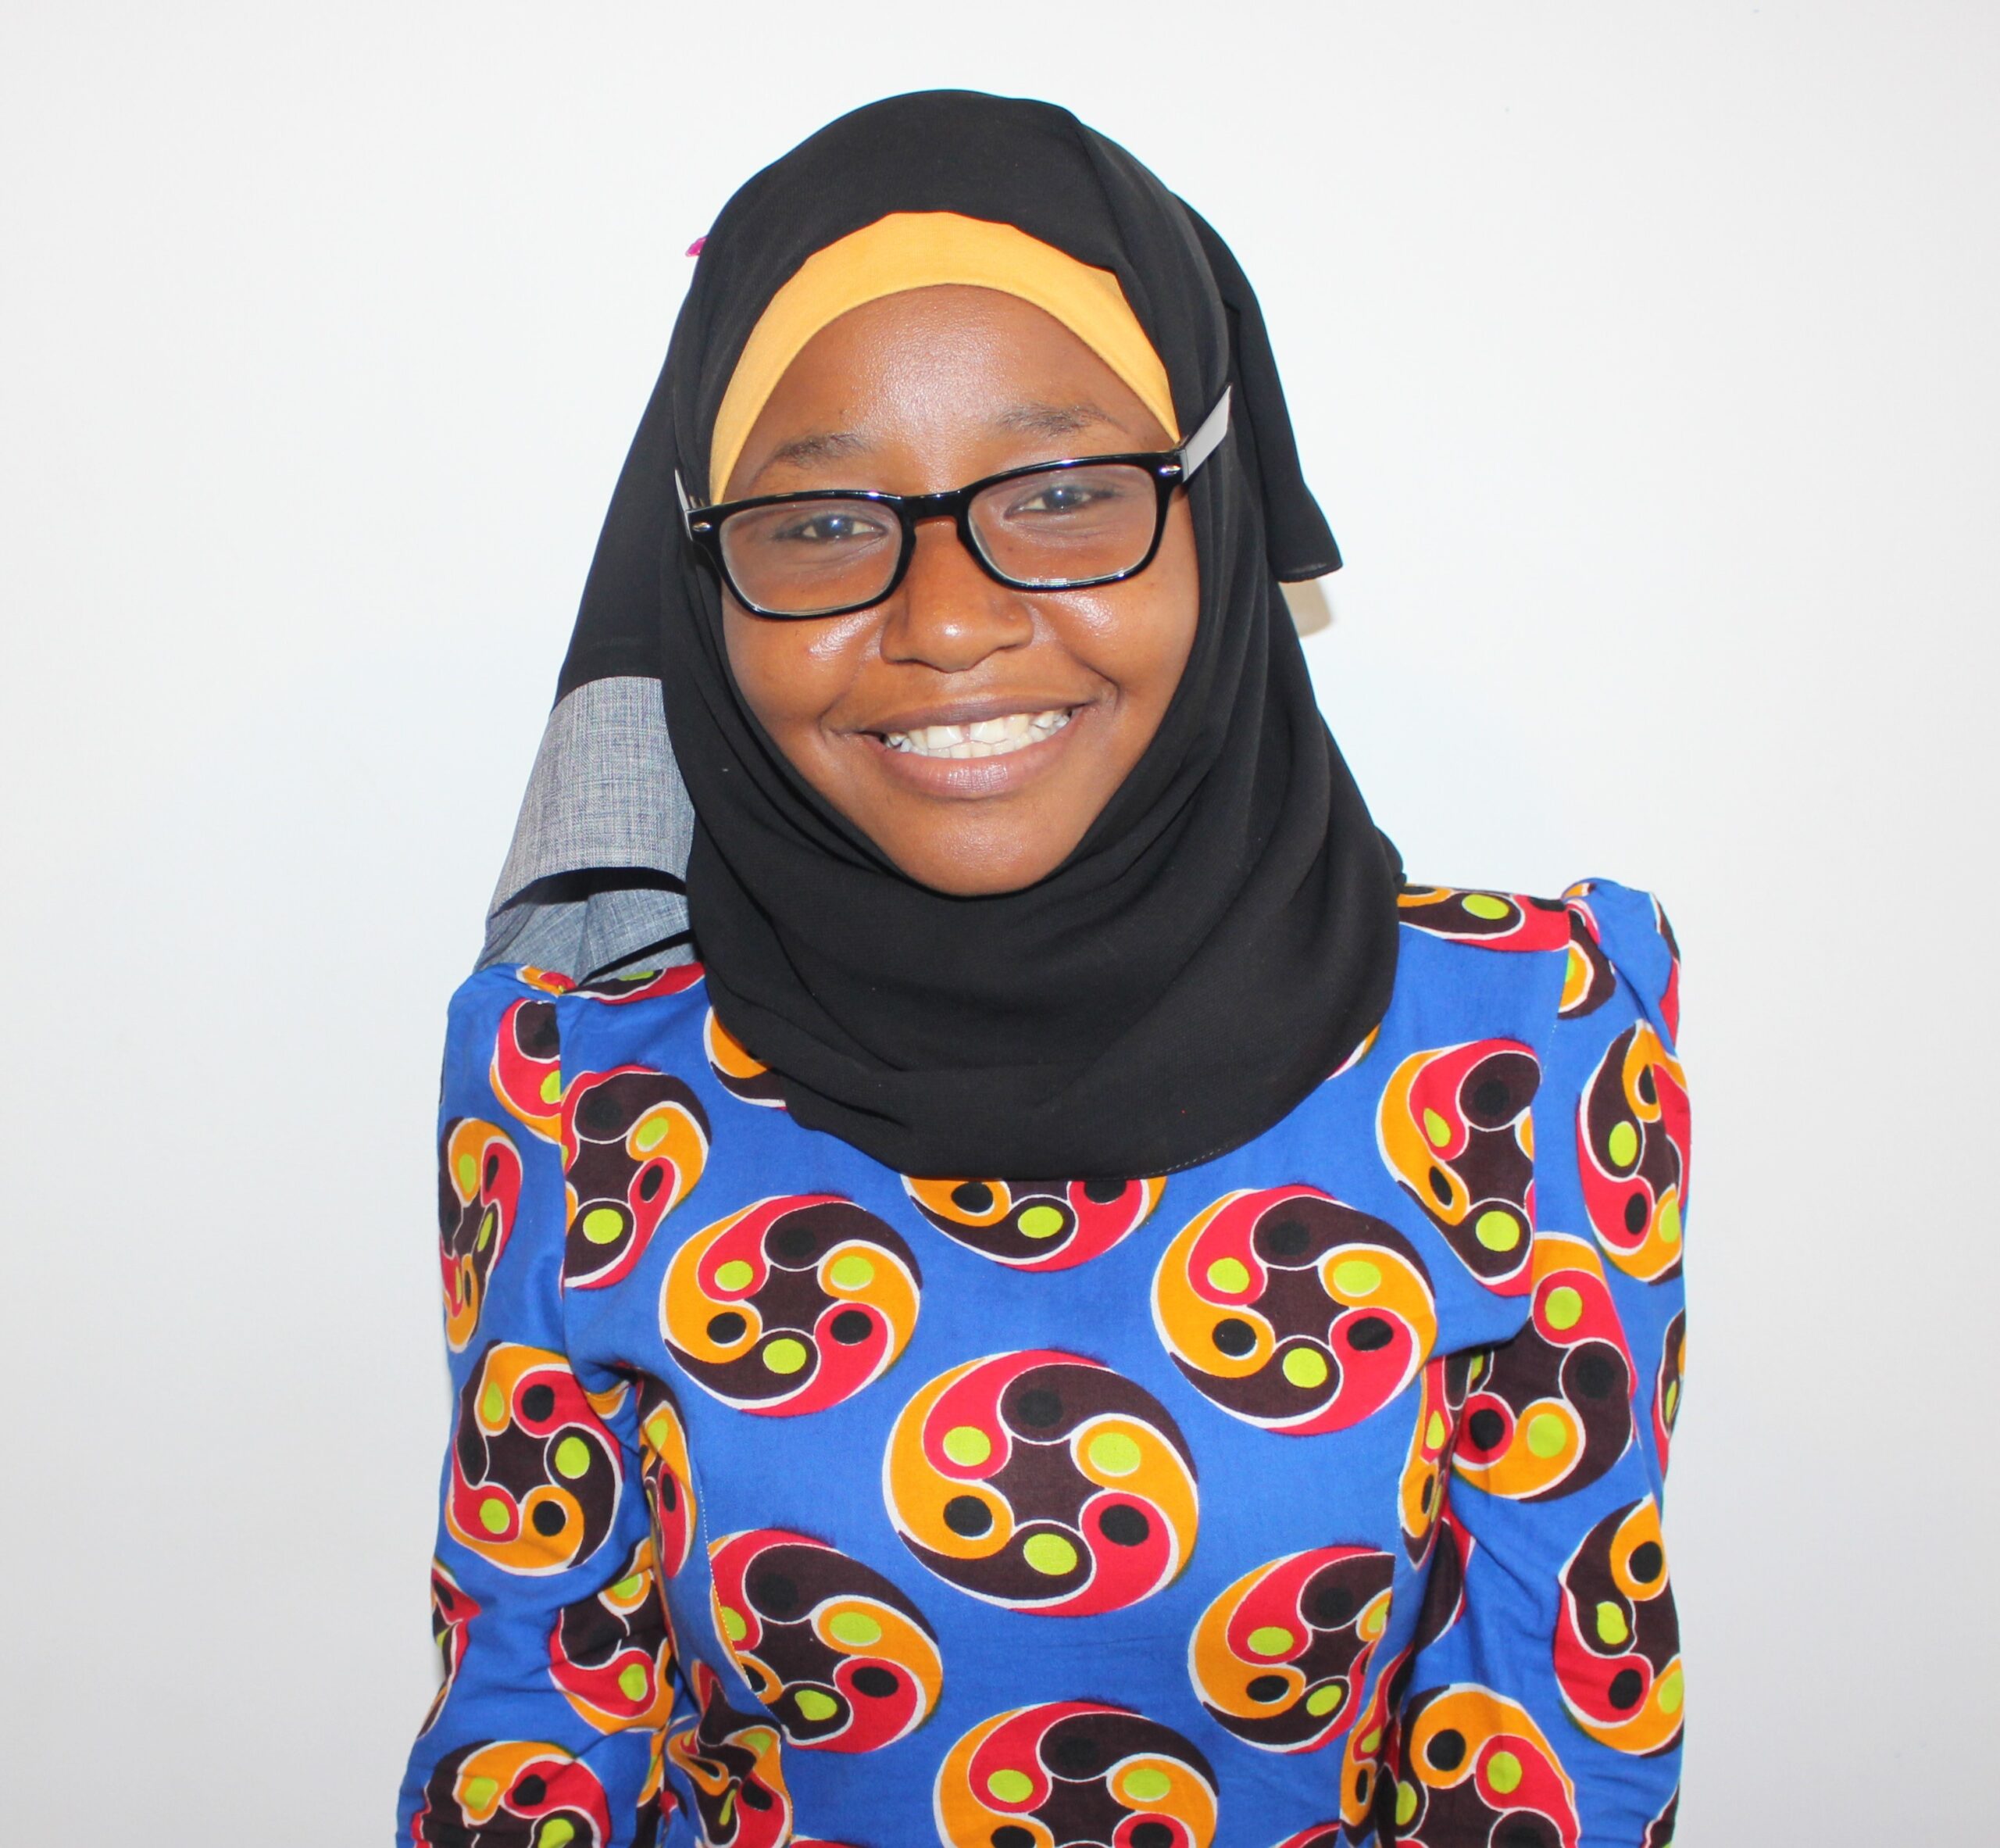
(915,250)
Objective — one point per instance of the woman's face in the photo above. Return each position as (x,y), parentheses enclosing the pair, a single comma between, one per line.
(913,394)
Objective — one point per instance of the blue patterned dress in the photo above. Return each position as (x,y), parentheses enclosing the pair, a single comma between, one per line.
(1307,1496)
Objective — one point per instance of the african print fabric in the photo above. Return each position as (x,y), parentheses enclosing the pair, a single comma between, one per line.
(1307,1496)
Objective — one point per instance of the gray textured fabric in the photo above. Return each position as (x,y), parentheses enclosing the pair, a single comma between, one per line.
(593,877)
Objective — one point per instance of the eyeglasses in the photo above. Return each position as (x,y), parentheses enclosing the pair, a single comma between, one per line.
(1052,526)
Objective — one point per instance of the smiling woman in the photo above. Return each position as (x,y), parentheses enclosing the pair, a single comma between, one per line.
(1078,1172)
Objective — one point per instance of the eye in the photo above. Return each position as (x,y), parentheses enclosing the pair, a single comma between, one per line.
(831,526)
(1059,494)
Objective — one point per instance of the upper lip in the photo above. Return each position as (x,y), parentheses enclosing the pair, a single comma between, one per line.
(970,712)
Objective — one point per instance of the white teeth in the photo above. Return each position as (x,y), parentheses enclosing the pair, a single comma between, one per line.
(983,738)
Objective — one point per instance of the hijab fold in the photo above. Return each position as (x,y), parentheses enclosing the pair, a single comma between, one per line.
(1225,933)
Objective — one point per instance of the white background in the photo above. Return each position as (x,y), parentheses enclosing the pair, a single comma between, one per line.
(1645,358)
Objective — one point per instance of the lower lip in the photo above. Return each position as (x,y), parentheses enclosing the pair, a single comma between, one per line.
(970,778)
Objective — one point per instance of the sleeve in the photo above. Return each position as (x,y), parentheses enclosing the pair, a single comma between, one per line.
(1541,1704)
(560,1676)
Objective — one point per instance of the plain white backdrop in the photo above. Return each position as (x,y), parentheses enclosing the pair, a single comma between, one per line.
(1644,358)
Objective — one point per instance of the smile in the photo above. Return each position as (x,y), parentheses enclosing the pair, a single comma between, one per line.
(983,738)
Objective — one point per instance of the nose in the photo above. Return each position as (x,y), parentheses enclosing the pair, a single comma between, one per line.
(946,613)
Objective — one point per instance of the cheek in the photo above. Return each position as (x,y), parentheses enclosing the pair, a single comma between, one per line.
(790,674)
(1138,635)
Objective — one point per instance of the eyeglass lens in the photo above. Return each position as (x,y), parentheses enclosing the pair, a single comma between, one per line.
(1043,531)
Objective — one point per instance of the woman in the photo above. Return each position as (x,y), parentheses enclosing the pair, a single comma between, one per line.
(1284,1469)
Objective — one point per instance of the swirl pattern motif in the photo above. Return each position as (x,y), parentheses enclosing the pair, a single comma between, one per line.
(1455,1127)
(512,1793)
(841,1658)
(451,1612)
(1554,1410)
(790,1305)
(1494,920)
(526,1071)
(1074,1774)
(734,1763)
(1043,1482)
(1293,1312)
(479,1192)
(1667,1383)
(634,1142)
(1036,1225)
(670,1477)
(1279,1658)
(1588,978)
(1441,1400)
(535,1476)
(735,1070)
(1473,1761)
(1632,1139)
(612,1654)
(1617,1637)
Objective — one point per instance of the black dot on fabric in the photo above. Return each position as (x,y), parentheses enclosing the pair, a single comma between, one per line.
(1267,1687)
(1646,1562)
(1489,1098)
(1625,1689)
(1635,1211)
(972,1196)
(598,1114)
(1075,1755)
(1485,1428)
(1234,1337)
(652,1182)
(1648,1092)
(538,1403)
(549,1519)
(1361,1785)
(1010,1836)
(670,1496)
(851,1325)
(1103,1193)
(726,1327)
(1151,1835)
(1441,1188)
(529,1791)
(1430,1493)
(1595,1375)
(1368,1334)
(1124,1526)
(754,1796)
(1287,1238)
(535,1031)
(1448,1749)
(1332,1606)
(1524,1835)
(492,1169)
(877,1683)
(793,1241)
(776,1592)
(968,1517)
(1038,1408)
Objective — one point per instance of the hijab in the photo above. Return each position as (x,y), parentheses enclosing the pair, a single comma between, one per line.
(1224,935)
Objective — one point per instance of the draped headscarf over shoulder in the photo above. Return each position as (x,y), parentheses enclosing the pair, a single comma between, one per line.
(1224,935)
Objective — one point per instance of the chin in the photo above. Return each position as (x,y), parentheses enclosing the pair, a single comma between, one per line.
(982,868)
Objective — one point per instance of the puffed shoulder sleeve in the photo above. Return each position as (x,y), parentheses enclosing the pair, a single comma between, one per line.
(1543,1692)
(559,1677)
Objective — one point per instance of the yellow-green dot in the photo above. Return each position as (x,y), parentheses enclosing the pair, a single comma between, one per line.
(551,1088)
(1114,1453)
(1050,1554)
(850,1271)
(1483,904)
(627,1590)
(1668,1224)
(468,1173)
(1305,1368)
(1622,1144)
(1010,1786)
(495,1516)
(632,1682)
(573,1458)
(732,1625)
(652,1132)
(604,1225)
(493,1406)
(854,1629)
(1356,1277)
(1146,1784)
(1547,1434)
(1322,1701)
(1405,1803)
(487,1220)
(1229,1275)
(1371,1742)
(1435,1431)
(735,1275)
(967,1445)
(1671,1691)
(1503,1772)
(1272,1639)
(1672,1398)
(1612,1627)
(1564,1308)
(784,1355)
(1041,1222)
(757,1742)
(1436,1128)
(813,1705)
(557,1831)
(480,1791)
(1496,1231)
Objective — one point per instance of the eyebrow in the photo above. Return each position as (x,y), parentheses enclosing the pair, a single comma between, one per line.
(1035,419)
(818,446)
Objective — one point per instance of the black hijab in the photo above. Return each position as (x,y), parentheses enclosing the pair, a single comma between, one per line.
(1225,933)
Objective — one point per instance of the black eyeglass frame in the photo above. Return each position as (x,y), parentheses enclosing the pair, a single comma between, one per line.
(1169,469)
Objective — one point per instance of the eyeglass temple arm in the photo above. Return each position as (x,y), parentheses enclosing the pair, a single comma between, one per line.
(686,506)
(1203,444)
